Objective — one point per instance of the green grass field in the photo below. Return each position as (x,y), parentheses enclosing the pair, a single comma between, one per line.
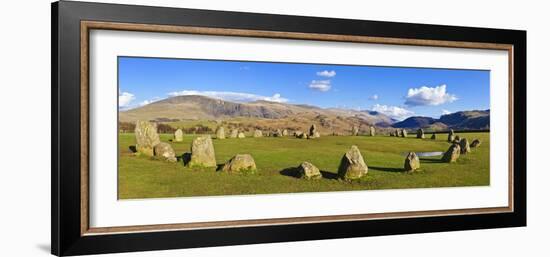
(143,177)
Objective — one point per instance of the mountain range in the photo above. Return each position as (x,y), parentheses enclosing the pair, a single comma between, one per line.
(464,120)
(269,115)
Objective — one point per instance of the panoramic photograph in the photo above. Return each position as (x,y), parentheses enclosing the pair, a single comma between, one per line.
(189,127)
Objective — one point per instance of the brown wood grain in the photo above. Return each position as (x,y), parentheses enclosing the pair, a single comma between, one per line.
(86,26)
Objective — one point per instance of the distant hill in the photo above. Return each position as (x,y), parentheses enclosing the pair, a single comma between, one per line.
(261,114)
(467,120)
(415,122)
(270,115)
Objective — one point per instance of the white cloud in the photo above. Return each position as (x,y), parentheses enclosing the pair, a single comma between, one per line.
(373,97)
(232,96)
(429,96)
(326,73)
(395,112)
(124,99)
(445,112)
(321,85)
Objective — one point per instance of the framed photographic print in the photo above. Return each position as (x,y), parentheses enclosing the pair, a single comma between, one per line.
(178,128)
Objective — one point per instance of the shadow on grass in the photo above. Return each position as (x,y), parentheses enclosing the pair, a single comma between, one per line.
(329,175)
(185,158)
(387,169)
(290,172)
(295,173)
(427,160)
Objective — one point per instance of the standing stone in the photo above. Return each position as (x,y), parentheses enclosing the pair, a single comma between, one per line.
(178,136)
(146,137)
(316,135)
(433,136)
(220,133)
(277,133)
(307,170)
(452,154)
(403,133)
(202,152)
(420,133)
(352,165)
(372,131)
(475,143)
(354,130)
(234,133)
(464,146)
(397,133)
(451,135)
(456,140)
(258,133)
(240,135)
(285,132)
(240,163)
(165,151)
(312,130)
(412,162)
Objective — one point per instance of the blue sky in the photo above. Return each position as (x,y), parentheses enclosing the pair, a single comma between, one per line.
(396,91)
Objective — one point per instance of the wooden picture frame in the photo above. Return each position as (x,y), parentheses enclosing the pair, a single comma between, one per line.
(71,24)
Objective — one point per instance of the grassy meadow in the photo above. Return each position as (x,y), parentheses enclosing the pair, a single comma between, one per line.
(145,177)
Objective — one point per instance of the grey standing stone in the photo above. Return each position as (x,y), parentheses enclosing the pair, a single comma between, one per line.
(450,136)
(372,131)
(412,162)
(220,133)
(165,151)
(285,132)
(146,137)
(240,163)
(178,135)
(241,135)
(307,170)
(234,133)
(312,130)
(452,154)
(354,130)
(258,133)
(456,140)
(475,143)
(404,133)
(202,152)
(464,146)
(352,166)
(420,133)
